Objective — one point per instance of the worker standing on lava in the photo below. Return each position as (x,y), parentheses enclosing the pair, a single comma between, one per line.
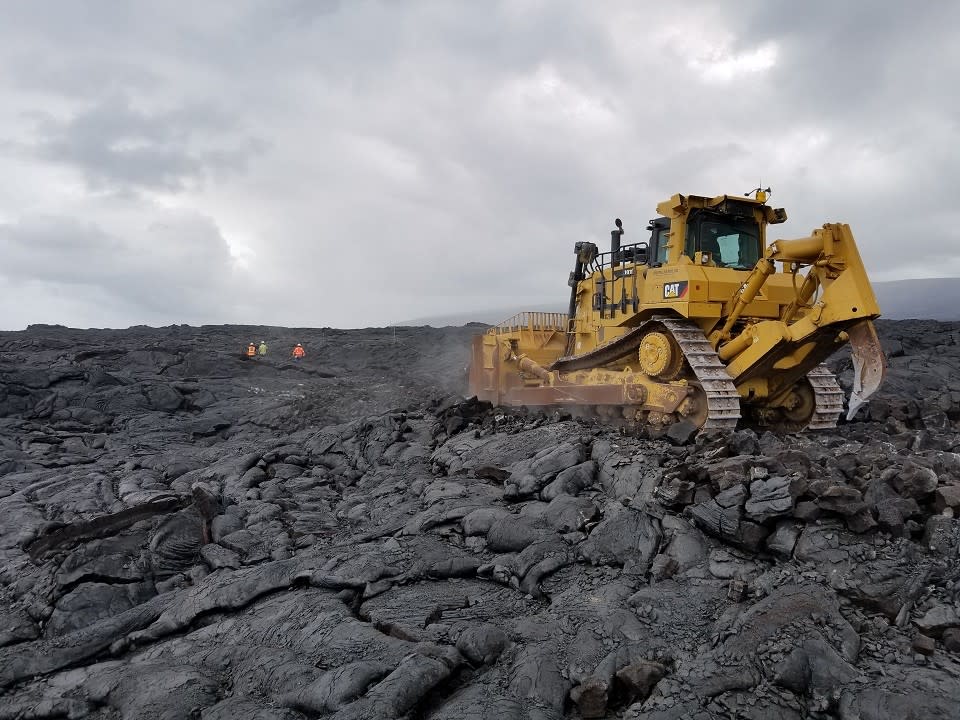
(298,352)
(251,350)
(263,347)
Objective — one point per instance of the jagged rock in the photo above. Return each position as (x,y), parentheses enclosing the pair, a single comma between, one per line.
(639,678)
(253,477)
(530,476)
(566,514)
(887,584)
(176,543)
(284,471)
(725,565)
(951,639)
(590,697)
(942,535)
(687,546)
(924,645)
(736,590)
(794,460)
(732,497)
(163,397)
(337,688)
(890,517)
(620,477)
(675,492)
(454,424)
(571,481)
(482,644)
(442,490)
(223,525)
(743,442)
(937,619)
(536,679)
(92,601)
(723,517)
(732,664)
(217,556)
(682,432)
(771,498)
(807,510)
(861,521)
(249,546)
(16,626)
(491,472)
(510,533)
(814,667)
(479,521)
(663,567)
(625,537)
(915,480)
(784,538)
(946,496)
(403,688)
(841,499)
(871,703)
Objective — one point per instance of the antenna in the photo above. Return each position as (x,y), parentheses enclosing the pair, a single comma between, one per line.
(758,192)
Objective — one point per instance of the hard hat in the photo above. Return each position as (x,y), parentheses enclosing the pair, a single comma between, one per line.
(299,345)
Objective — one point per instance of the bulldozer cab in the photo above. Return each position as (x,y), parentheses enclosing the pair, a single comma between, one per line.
(731,231)
(732,241)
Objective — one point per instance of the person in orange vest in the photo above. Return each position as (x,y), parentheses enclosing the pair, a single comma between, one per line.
(251,350)
(298,352)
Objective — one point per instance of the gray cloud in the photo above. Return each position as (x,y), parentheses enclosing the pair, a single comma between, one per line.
(118,147)
(359,163)
(175,266)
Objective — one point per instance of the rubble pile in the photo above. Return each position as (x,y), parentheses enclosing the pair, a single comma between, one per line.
(191,534)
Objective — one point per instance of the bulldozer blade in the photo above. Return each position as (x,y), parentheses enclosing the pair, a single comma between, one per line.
(869,364)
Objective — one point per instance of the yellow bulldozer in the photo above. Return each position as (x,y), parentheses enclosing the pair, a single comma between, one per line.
(704,323)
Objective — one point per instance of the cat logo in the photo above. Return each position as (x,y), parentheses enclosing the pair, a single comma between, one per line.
(674,290)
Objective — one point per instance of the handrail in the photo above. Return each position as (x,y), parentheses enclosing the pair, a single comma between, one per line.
(533,321)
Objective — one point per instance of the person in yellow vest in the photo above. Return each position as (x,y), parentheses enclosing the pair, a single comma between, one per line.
(298,352)
(251,350)
(263,347)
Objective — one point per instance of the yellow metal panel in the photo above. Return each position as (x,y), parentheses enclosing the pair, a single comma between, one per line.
(488,353)
(703,309)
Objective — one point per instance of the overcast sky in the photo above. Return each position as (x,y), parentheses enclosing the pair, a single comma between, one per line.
(325,163)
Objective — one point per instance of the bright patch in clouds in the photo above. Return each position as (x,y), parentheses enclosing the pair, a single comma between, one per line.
(385,159)
(242,254)
(546,96)
(719,64)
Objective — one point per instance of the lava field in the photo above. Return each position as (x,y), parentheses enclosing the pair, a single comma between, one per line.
(187,532)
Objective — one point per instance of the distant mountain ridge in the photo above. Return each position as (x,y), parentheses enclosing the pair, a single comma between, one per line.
(924,299)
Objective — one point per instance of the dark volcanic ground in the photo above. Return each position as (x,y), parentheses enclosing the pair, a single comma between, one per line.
(186,533)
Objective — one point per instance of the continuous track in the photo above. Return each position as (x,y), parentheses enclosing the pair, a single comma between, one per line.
(829,399)
(723,400)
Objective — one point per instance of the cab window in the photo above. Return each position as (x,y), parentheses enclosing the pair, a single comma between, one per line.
(731,245)
(731,242)
(662,248)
